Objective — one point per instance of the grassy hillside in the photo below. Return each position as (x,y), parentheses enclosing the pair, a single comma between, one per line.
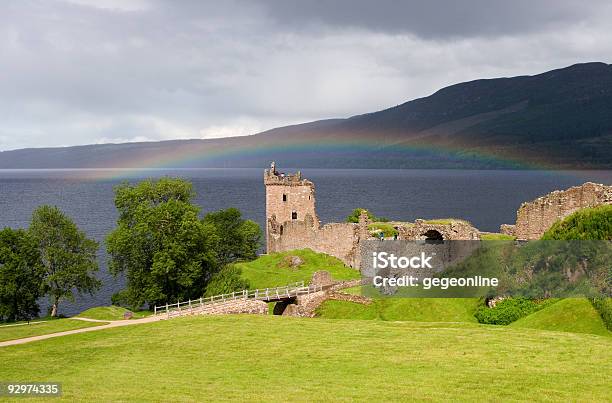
(568,315)
(266,358)
(273,270)
(561,118)
(21,330)
(590,223)
(404,309)
(110,313)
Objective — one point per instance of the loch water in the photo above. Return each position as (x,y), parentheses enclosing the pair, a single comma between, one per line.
(485,198)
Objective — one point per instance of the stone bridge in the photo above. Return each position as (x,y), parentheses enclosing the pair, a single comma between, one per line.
(292,300)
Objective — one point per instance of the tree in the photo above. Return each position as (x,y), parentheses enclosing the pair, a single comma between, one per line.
(239,239)
(20,276)
(586,224)
(165,250)
(354,216)
(227,280)
(68,257)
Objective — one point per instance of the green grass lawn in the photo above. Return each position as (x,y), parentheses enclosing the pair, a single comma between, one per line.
(21,330)
(270,270)
(496,237)
(404,309)
(567,315)
(111,313)
(268,358)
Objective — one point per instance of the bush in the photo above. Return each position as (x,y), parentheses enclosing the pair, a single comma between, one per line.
(121,299)
(604,307)
(589,223)
(225,281)
(387,229)
(354,216)
(507,311)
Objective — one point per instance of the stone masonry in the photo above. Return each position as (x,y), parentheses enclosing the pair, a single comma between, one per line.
(292,222)
(454,229)
(237,306)
(535,217)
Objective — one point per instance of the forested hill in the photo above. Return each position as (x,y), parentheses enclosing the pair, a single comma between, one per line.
(558,119)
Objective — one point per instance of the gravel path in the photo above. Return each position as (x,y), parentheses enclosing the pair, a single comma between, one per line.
(110,324)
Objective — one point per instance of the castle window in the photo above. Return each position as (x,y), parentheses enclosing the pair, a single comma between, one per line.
(284,197)
(294,215)
(281,230)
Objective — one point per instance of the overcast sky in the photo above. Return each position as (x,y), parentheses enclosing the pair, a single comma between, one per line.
(81,72)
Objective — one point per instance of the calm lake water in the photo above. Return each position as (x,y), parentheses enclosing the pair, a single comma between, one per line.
(486,198)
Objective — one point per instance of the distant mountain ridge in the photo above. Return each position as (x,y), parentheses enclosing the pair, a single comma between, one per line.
(558,119)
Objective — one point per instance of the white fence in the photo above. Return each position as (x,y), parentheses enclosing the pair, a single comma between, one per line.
(261,294)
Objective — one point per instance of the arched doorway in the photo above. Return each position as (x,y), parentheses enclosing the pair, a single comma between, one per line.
(433,236)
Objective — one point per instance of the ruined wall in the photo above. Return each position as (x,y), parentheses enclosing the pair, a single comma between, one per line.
(339,239)
(292,222)
(535,217)
(455,230)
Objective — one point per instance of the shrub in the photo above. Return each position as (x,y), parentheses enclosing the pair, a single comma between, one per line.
(386,229)
(589,223)
(225,281)
(507,311)
(354,216)
(604,307)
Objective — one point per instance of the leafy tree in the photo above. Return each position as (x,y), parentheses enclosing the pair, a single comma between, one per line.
(165,250)
(68,257)
(20,276)
(354,216)
(226,280)
(239,239)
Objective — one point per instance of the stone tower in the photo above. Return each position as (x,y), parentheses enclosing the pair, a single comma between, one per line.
(289,198)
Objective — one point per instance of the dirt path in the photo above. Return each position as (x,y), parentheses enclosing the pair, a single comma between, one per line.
(115,323)
(95,320)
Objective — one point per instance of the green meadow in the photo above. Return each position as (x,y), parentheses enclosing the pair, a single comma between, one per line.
(268,358)
(273,270)
(394,349)
(404,309)
(111,313)
(39,327)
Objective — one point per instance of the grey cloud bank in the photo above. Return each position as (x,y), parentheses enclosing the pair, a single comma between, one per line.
(81,72)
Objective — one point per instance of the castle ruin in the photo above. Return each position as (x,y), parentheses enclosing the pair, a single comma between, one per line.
(292,222)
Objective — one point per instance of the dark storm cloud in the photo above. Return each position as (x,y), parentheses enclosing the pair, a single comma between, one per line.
(434,18)
(86,71)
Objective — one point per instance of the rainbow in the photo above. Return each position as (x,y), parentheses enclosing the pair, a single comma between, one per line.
(223,153)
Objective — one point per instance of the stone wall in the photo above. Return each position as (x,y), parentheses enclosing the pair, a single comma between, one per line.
(306,305)
(535,217)
(453,230)
(339,239)
(289,198)
(236,306)
(292,222)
